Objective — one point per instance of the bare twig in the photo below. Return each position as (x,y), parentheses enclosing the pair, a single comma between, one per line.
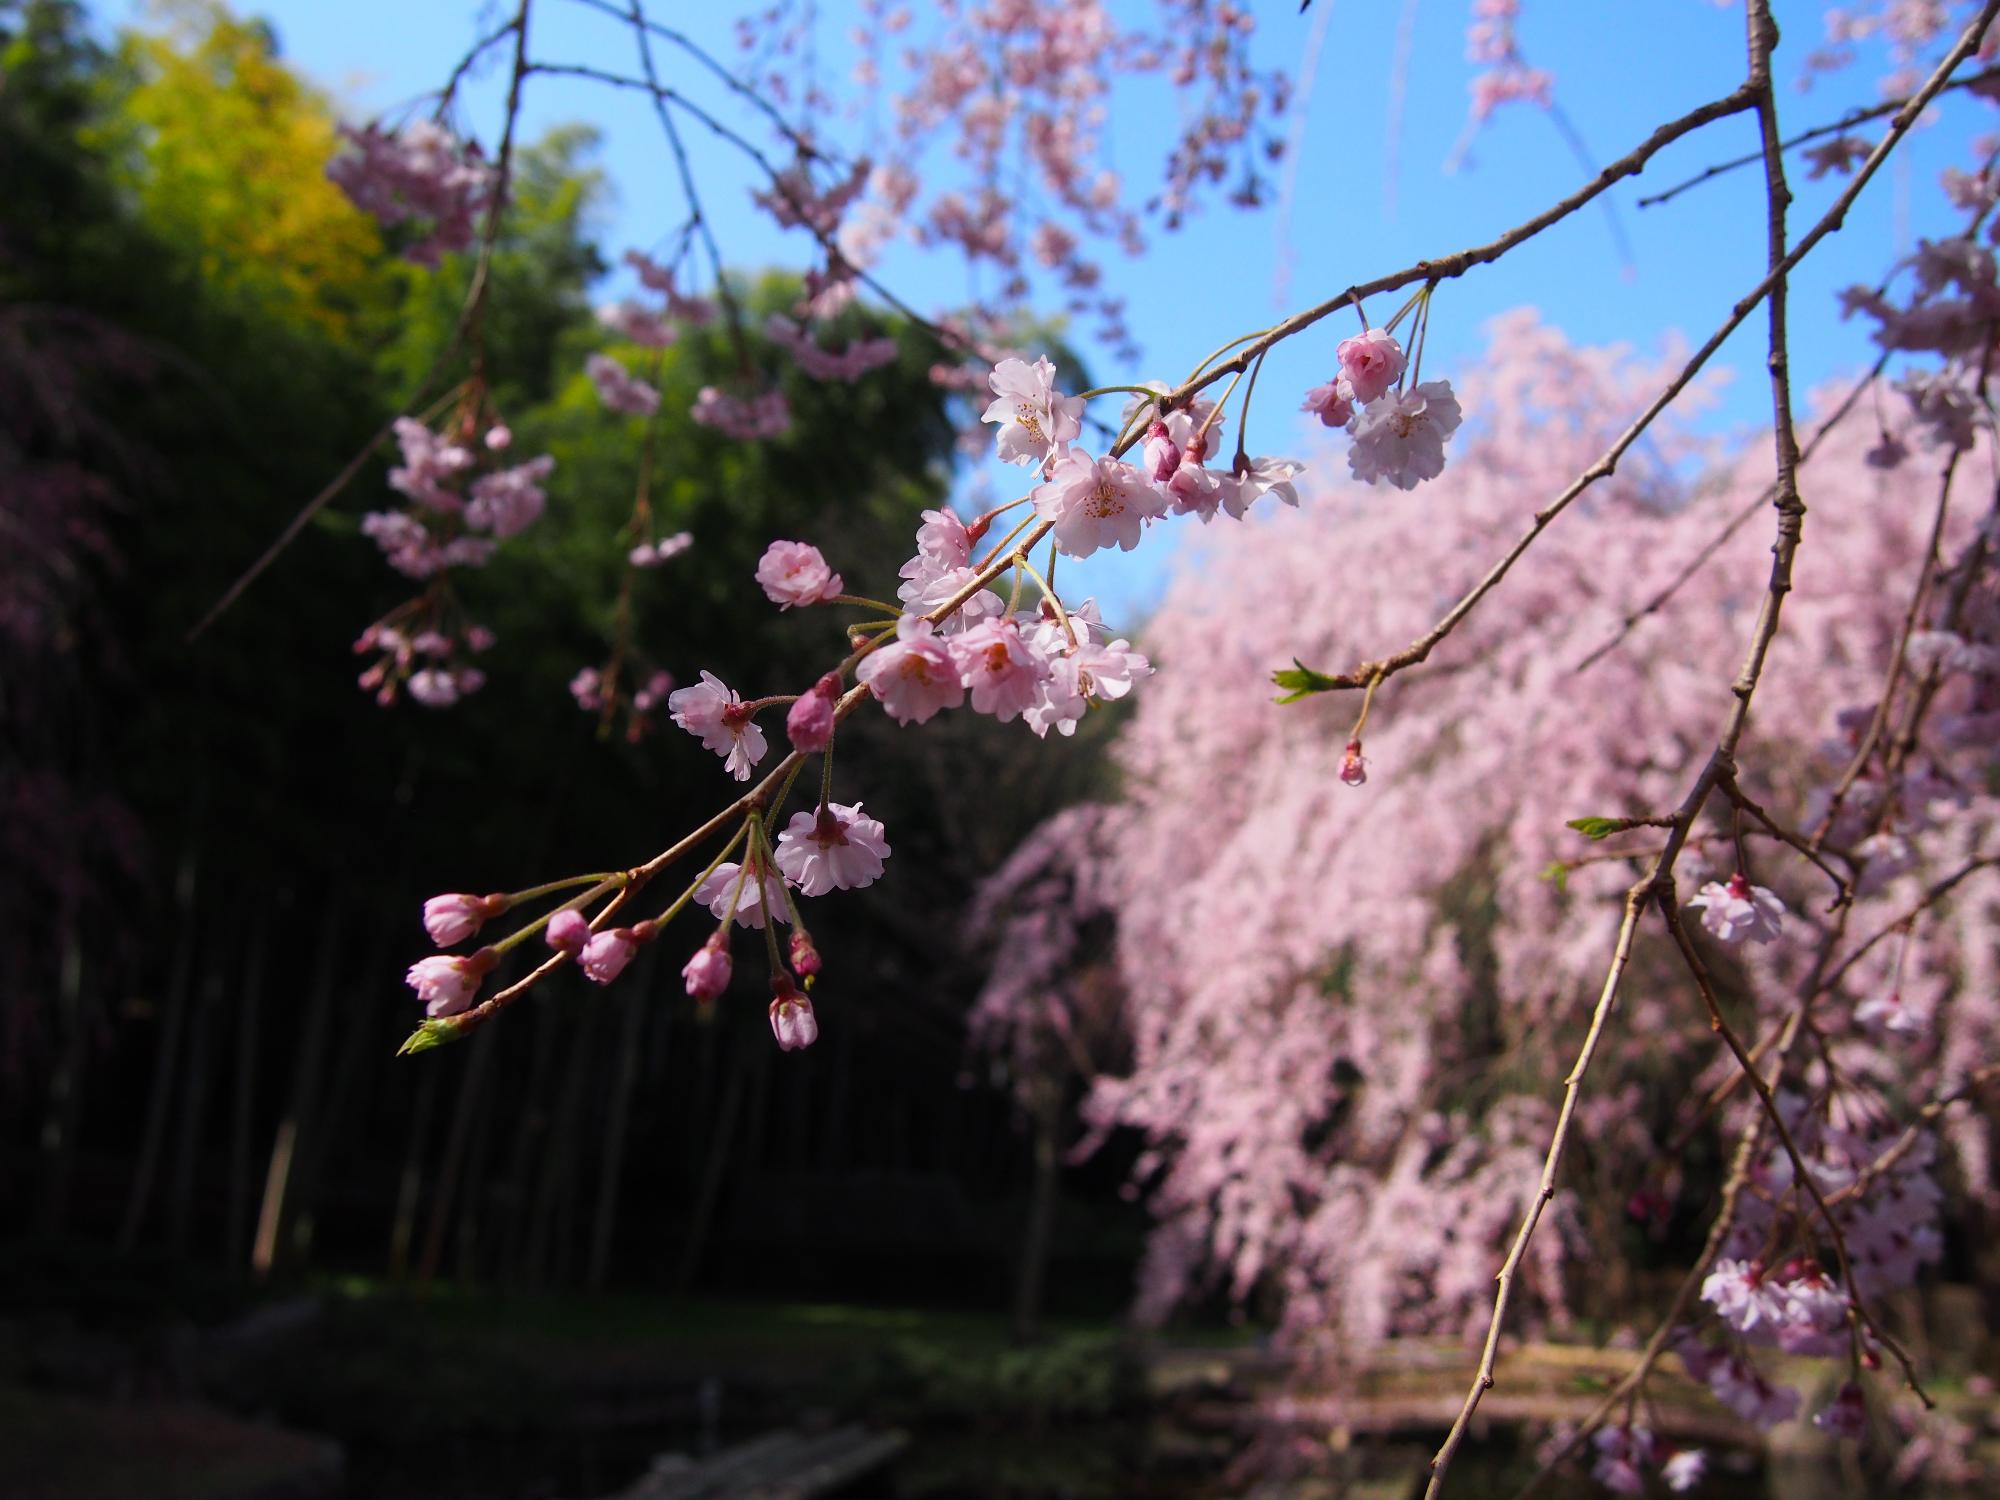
(1736,523)
(1845,123)
(1721,762)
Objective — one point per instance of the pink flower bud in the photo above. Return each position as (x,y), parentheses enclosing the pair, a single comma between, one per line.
(792,1019)
(450,920)
(608,952)
(1372,362)
(1163,456)
(805,957)
(809,724)
(568,932)
(707,973)
(1353,768)
(499,437)
(447,983)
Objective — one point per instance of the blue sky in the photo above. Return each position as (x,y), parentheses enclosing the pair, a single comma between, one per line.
(1367,198)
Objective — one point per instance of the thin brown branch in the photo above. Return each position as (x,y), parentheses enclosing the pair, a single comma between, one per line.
(1931,896)
(1878,721)
(1835,216)
(1721,762)
(467,325)
(1801,1170)
(1869,1175)
(1736,523)
(1845,123)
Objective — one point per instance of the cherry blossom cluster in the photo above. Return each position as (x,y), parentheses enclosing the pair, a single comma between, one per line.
(419,175)
(1492,42)
(1016,95)
(846,365)
(1622,1456)
(601,694)
(764,415)
(463,502)
(1397,427)
(430,664)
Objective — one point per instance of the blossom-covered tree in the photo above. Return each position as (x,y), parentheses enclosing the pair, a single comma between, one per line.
(1379,983)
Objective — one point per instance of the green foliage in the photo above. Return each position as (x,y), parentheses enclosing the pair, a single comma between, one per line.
(1301,681)
(225,151)
(1073,1378)
(1598,829)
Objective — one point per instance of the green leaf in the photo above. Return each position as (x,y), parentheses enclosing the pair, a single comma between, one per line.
(1557,874)
(1301,681)
(1596,829)
(430,1034)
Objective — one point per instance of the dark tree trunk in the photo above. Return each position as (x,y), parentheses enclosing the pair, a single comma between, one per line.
(243,1097)
(1032,1275)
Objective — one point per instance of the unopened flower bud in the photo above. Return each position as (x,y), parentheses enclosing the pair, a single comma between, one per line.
(450,920)
(707,973)
(792,1019)
(447,983)
(567,932)
(1353,768)
(1163,455)
(809,724)
(608,952)
(805,957)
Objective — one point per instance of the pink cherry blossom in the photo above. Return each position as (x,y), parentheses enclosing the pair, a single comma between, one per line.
(1623,1455)
(567,932)
(422,174)
(765,415)
(450,920)
(1002,671)
(1370,363)
(1163,454)
(713,713)
(1400,439)
(809,722)
(1889,1015)
(508,501)
(707,973)
(619,389)
(792,1020)
(914,675)
(942,542)
(1846,1416)
(446,983)
(637,324)
(1093,672)
(430,468)
(762,895)
(606,953)
(1036,421)
(1684,1470)
(803,954)
(795,573)
(433,688)
(1096,502)
(834,849)
(1738,910)
(1256,478)
(929,589)
(652,554)
(1330,403)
